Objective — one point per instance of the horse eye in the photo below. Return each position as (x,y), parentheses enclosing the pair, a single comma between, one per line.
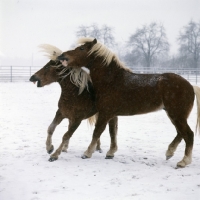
(46,67)
(81,48)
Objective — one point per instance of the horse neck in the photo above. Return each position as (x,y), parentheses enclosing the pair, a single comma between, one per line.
(105,73)
(67,87)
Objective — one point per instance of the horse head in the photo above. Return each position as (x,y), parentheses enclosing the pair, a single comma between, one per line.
(80,56)
(47,74)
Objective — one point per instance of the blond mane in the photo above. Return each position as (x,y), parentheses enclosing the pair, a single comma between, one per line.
(51,51)
(78,76)
(102,51)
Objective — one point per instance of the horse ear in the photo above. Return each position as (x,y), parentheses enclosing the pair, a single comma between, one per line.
(94,41)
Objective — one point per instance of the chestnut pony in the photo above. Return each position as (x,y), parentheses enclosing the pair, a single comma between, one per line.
(119,91)
(77,101)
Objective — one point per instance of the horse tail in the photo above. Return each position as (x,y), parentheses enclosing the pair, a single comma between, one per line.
(197,93)
(92,120)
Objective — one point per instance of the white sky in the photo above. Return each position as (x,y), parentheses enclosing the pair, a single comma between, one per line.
(24,24)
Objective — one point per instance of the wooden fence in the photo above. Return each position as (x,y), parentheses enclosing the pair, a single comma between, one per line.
(20,74)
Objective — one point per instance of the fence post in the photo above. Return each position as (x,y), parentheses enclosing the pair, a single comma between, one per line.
(10,73)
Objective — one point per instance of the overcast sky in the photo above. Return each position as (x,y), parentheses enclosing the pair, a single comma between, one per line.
(24,24)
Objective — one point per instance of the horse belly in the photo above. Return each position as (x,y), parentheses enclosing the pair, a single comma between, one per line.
(141,106)
(132,102)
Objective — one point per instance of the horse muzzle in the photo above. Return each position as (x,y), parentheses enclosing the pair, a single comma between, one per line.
(35,79)
(62,57)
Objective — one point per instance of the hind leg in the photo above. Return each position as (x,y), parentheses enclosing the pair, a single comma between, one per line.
(187,134)
(99,128)
(189,140)
(56,121)
(113,127)
(173,145)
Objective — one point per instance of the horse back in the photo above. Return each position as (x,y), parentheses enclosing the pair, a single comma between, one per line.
(134,94)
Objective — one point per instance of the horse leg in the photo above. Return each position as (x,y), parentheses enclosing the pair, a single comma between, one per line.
(113,127)
(98,148)
(65,146)
(188,135)
(99,128)
(189,140)
(72,127)
(57,119)
(173,145)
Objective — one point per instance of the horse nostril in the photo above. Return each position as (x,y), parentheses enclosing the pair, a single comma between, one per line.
(33,78)
(62,57)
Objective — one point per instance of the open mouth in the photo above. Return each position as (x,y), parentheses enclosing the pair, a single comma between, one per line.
(35,80)
(38,83)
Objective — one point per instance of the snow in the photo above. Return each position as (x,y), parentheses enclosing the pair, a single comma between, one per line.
(138,171)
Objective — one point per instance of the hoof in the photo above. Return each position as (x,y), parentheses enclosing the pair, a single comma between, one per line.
(100,150)
(109,157)
(51,159)
(84,157)
(180,164)
(183,163)
(168,157)
(51,150)
(64,150)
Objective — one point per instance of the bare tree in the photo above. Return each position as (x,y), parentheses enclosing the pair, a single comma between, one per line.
(149,41)
(83,31)
(104,34)
(107,36)
(189,40)
(95,31)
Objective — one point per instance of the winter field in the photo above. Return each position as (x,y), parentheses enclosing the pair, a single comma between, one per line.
(138,171)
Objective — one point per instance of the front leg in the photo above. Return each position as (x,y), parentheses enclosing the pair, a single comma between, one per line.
(73,125)
(98,147)
(99,128)
(65,146)
(56,121)
(113,127)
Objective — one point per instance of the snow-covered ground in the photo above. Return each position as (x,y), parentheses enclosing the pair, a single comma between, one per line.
(138,171)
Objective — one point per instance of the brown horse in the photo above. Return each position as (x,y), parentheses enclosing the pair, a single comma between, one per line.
(119,91)
(77,101)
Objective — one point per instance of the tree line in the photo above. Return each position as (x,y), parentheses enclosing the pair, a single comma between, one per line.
(148,46)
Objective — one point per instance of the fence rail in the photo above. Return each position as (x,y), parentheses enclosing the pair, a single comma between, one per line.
(20,74)
(17,73)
